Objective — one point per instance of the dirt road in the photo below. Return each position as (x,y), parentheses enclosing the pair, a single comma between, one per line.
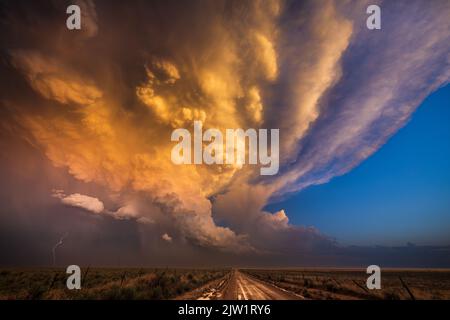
(244,287)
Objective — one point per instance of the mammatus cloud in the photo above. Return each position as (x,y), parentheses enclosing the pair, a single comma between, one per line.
(334,89)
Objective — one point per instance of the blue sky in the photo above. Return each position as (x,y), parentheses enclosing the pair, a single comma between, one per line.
(400,194)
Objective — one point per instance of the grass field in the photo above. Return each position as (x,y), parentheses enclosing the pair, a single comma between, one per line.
(138,284)
(103,283)
(351,284)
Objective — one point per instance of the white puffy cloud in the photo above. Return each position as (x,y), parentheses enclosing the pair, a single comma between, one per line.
(83,201)
(166,237)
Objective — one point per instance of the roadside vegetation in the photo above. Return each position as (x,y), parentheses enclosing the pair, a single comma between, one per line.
(351,284)
(104,283)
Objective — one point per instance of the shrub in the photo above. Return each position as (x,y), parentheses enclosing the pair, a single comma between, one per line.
(391,295)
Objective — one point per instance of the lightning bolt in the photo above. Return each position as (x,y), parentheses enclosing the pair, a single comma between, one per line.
(58,244)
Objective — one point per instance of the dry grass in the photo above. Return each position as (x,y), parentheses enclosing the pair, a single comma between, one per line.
(351,284)
(103,283)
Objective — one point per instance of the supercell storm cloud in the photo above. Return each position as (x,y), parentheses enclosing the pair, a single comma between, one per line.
(86,119)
